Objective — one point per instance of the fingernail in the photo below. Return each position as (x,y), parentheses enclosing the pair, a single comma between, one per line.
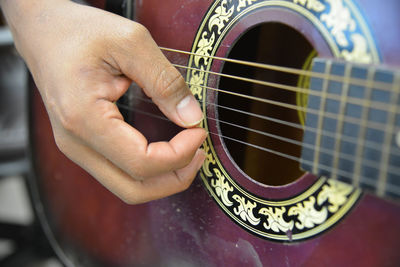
(189,111)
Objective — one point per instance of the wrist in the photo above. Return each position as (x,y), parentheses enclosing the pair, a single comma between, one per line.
(28,19)
(22,13)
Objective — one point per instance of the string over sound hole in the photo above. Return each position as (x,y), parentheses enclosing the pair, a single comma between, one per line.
(264,137)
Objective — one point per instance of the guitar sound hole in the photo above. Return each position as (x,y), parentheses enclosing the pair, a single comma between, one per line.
(276,44)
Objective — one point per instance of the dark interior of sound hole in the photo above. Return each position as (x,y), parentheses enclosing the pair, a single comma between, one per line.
(276,44)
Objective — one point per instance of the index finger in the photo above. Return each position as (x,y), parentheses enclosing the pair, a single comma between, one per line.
(128,149)
(140,59)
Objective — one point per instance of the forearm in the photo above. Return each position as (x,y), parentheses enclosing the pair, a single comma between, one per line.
(82,60)
(21,10)
(25,18)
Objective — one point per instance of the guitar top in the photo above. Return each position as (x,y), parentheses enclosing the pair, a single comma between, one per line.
(303,151)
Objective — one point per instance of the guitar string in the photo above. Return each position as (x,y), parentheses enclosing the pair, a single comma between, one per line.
(332,77)
(370,163)
(352,140)
(394,189)
(355,81)
(363,122)
(328,96)
(295,142)
(371,124)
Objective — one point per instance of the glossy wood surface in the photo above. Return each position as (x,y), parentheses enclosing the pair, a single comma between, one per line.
(94,228)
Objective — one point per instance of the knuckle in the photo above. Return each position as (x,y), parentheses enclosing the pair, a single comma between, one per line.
(137,32)
(70,120)
(64,114)
(60,142)
(129,199)
(132,196)
(141,31)
(184,183)
(170,84)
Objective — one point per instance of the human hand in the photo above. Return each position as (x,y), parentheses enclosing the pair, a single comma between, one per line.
(83,59)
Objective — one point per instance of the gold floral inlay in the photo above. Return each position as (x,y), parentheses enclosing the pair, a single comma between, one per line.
(327,201)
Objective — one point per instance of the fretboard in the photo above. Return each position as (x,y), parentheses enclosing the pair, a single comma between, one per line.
(352,129)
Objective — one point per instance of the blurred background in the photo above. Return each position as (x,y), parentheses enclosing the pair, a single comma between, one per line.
(22,242)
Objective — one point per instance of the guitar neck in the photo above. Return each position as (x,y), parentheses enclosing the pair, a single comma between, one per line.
(352,128)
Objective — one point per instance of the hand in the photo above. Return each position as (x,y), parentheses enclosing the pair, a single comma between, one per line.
(82,60)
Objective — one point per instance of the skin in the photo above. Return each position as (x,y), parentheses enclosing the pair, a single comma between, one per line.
(82,60)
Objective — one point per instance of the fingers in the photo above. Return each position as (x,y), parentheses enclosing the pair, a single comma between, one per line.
(139,59)
(175,154)
(142,61)
(121,184)
(89,128)
(120,158)
(128,149)
(173,182)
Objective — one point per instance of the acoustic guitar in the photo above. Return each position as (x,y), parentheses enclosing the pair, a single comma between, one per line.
(302,105)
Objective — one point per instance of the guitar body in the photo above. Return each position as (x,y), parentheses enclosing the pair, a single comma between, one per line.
(235,213)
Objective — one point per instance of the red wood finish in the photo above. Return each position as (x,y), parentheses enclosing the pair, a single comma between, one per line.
(189,229)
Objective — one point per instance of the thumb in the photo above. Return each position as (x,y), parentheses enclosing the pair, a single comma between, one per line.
(142,61)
